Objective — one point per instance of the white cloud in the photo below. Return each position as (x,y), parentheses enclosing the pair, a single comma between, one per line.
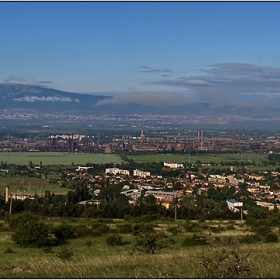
(46,99)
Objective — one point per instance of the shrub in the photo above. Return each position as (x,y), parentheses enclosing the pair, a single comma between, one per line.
(167,242)
(101,220)
(229,263)
(89,243)
(63,232)
(204,226)
(84,231)
(262,230)
(48,250)
(215,229)
(99,229)
(148,243)
(124,228)
(271,238)
(65,253)
(19,220)
(195,240)
(9,251)
(249,238)
(115,240)
(142,228)
(230,227)
(191,227)
(174,230)
(148,217)
(32,234)
(266,234)
(161,234)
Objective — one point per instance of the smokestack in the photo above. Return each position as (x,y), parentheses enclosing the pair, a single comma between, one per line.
(72,142)
(7,194)
(239,137)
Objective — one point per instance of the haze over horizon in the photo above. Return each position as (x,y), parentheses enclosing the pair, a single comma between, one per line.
(150,53)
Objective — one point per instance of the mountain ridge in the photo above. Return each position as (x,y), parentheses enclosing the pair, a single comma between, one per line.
(44,98)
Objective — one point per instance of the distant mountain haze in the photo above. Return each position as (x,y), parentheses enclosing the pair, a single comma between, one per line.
(44,99)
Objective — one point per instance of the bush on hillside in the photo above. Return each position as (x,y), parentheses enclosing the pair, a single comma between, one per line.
(174,229)
(195,240)
(228,263)
(249,239)
(148,243)
(65,253)
(29,231)
(32,234)
(99,229)
(115,240)
(124,228)
(142,228)
(63,232)
(192,226)
(271,238)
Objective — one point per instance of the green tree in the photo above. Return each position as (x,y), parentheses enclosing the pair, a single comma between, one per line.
(29,231)
(148,243)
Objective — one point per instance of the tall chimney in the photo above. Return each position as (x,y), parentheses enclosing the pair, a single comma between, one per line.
(7,194)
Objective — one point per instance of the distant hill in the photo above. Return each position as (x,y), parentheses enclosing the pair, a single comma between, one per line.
(45,99)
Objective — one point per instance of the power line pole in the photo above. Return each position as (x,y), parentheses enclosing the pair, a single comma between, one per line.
(11,201)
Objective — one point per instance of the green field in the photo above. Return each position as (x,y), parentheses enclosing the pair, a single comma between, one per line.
(26,184)
(55,158)
(205,158)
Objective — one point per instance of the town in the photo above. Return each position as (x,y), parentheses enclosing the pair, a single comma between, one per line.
(141,143)
(232,184)
(263,188)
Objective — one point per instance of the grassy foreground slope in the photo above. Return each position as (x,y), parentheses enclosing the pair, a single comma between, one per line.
(93,257)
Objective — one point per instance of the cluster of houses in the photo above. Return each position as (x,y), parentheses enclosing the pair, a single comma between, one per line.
(191,183)
(165,191)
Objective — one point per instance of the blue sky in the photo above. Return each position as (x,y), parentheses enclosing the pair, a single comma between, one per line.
(148,52)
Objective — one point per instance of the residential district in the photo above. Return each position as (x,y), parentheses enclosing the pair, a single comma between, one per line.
(169,193)
(263,188)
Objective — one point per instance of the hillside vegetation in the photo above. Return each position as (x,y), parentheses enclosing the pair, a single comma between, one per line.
(106,248)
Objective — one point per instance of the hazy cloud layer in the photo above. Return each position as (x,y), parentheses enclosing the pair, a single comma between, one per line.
(147,98)
(44,82)
(46,99)
(148,69)
(14,79)
(241,85)
(238,84)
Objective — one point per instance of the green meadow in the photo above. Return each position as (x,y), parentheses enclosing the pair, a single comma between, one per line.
(56,158)
(24,184)
(203,158)
(60,158)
